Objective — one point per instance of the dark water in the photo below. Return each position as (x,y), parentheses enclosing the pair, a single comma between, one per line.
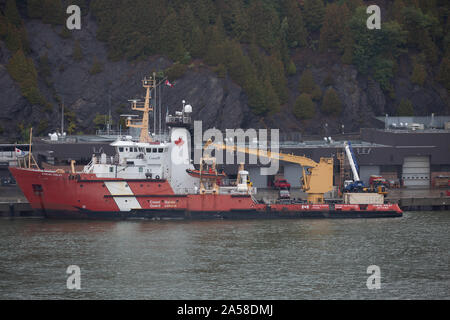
(301,259)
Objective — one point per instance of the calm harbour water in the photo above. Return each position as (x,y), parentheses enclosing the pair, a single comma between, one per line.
(298,259)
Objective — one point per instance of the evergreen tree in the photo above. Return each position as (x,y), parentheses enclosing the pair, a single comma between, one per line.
(3,26)
(216,43)
(307,83)
(239,23)
(265,25)
(13,38)
(331,103)
(334,28)
(35,8)
(12,14)
(314,12)
(419,73)
(405,108)
(292,69)
(444,72)
(186,21)
(171,37)
(197,47)
(23,71)
(296,33)
(53,12)
(304,107)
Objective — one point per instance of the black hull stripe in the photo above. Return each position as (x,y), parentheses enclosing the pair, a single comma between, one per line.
(212,215)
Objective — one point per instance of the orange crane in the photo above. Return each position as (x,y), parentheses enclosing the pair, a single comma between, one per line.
(317,178)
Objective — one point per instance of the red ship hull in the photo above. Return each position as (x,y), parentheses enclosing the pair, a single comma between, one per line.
(64,195)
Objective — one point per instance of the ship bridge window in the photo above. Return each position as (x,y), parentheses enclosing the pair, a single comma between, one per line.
(149,150)
(160,150)
(126,149)
(155,150)
(135,149)
(120,149)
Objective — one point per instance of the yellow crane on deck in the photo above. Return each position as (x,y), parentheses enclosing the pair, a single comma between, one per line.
(317,178)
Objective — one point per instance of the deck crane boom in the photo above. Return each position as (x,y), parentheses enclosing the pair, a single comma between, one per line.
(352,160)
(317,178)
(357,185)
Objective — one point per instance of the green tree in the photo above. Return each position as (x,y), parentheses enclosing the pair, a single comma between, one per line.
(100,121)
(304,107)
(444,73)
(419,73)
(314,12)
(291,69)
(264,24)
(335,26)
(332,103)
(368,44)
(170,36)
(405,108)
(35,8)
(12,14)
(307,83)
(296,33)
(177,70)
(23,71)
(197,47)
(3,26)
(53,12)
(383,72)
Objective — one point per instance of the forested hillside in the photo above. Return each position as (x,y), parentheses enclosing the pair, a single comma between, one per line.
(299,63)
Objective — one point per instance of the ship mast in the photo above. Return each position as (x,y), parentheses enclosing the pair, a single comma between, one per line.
(148,84)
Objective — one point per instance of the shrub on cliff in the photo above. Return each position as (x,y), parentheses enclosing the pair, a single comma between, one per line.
(23,71)
(176,71)
(97,67)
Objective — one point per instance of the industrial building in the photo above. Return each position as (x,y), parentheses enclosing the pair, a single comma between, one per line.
(404,155)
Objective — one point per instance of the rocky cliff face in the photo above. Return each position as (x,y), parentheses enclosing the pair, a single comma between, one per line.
(216,101)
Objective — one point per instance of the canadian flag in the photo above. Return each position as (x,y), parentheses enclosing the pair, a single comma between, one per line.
(19,153)
(169,84)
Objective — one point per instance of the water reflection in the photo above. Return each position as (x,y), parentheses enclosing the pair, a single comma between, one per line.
(279,259)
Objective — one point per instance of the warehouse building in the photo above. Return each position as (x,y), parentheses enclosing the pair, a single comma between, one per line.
(407,157)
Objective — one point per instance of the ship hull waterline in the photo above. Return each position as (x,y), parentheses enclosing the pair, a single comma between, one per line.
(85,196)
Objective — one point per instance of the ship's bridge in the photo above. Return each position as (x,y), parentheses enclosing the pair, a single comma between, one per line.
(146,152)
